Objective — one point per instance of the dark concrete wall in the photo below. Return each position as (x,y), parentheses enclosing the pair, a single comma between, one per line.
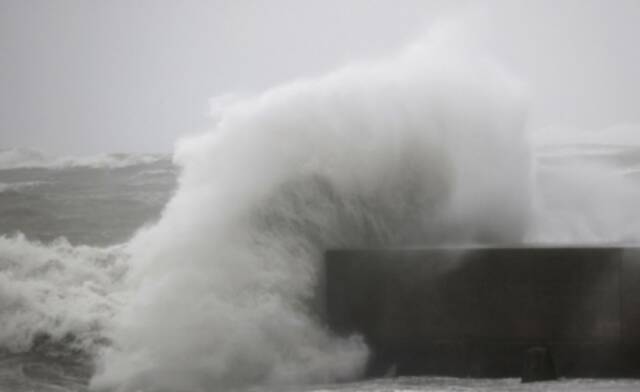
(475,311)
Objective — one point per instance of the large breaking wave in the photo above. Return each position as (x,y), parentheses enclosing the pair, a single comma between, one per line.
(429,147)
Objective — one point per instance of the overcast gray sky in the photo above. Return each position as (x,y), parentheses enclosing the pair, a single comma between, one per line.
(87,76)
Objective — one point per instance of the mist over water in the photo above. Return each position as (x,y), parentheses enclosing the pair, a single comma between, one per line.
(587,194)
(429,147)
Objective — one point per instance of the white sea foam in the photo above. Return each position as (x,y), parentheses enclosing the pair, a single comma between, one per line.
(56,289)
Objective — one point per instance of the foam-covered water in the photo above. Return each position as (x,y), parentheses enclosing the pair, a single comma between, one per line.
(61,263)
(222,287)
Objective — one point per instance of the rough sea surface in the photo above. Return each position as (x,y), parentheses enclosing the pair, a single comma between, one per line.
(62,205)
(104,205)
(100,205)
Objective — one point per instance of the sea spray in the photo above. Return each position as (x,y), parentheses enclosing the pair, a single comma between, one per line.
(427,147)
(586,193)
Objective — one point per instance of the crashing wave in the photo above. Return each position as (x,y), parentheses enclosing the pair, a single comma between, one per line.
(57,293)
(428,147)
(19,186)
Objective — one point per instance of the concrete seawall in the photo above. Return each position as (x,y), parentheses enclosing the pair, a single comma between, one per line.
(475,311)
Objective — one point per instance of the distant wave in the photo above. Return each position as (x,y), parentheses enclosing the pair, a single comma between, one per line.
(19,158)
(613,155)
(19,186)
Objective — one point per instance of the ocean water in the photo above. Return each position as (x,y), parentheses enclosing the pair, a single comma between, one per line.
(58,210)
(203,272)
(100,205)
(46,205)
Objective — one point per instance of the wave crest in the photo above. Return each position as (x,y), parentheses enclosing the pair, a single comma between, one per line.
(23,158)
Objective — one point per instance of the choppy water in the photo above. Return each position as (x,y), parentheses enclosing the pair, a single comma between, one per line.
(105,205)
(87,205)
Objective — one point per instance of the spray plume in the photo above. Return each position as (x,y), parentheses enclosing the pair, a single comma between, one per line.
(427,147)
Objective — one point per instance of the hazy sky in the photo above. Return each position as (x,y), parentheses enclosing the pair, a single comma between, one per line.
(87,76)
